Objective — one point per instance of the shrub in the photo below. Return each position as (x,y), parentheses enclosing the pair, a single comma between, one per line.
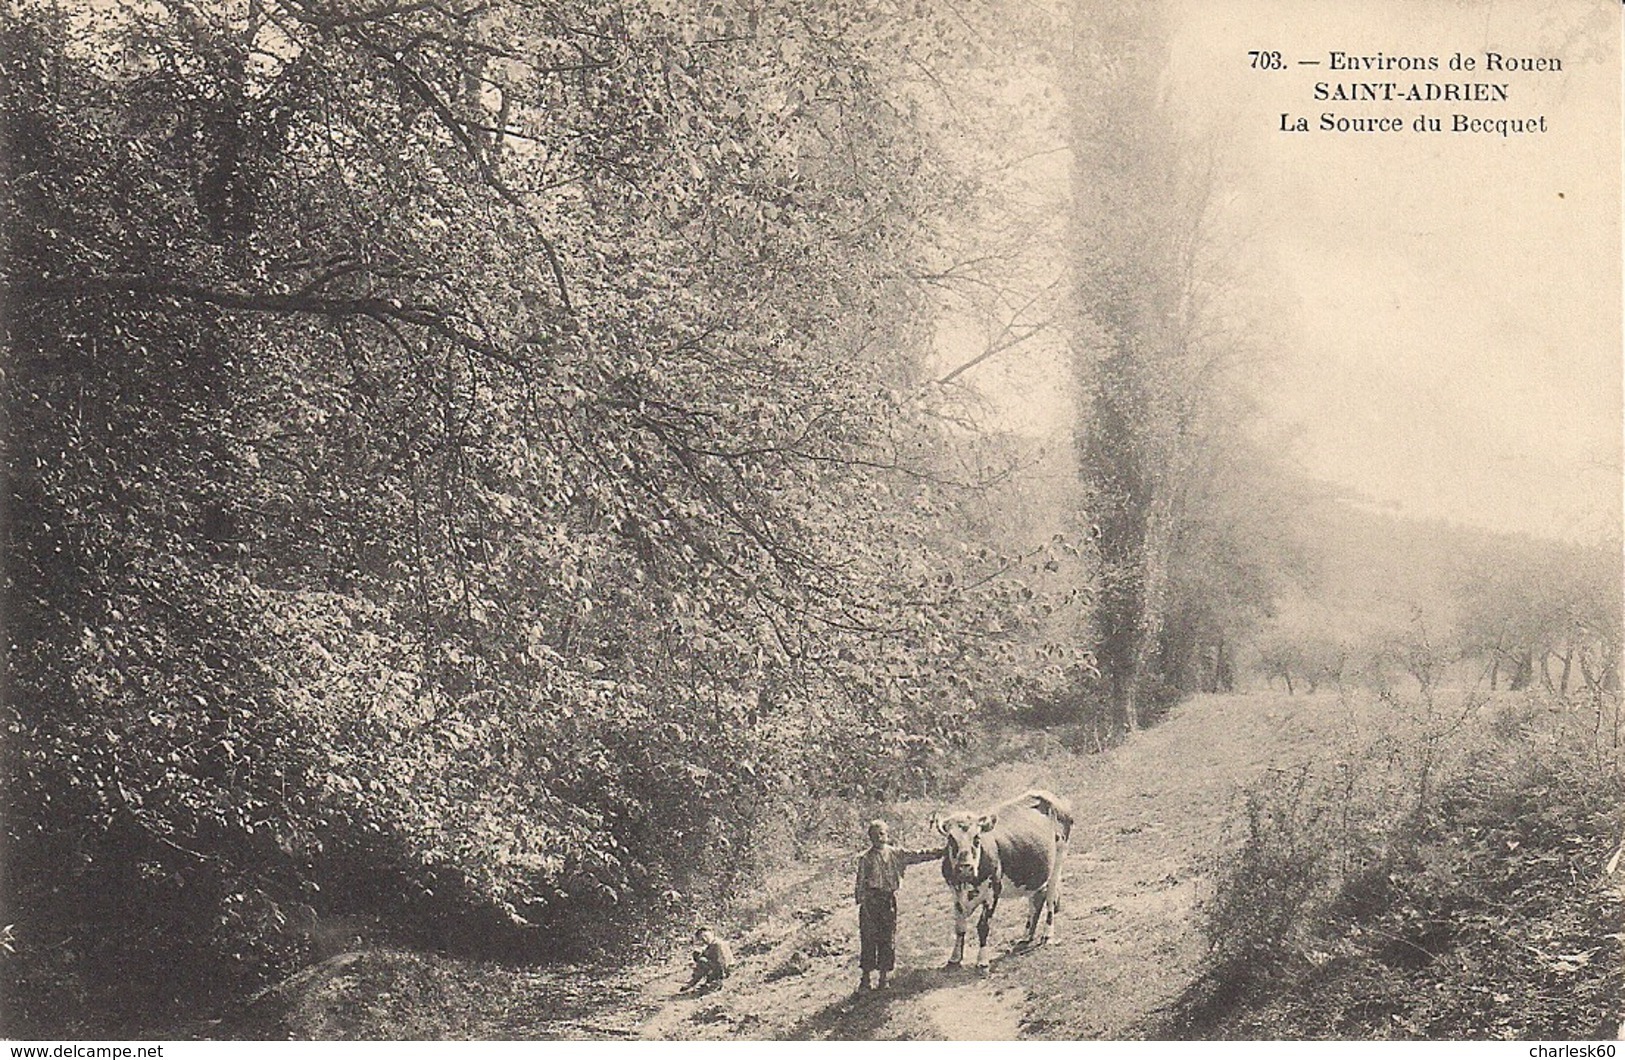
(1361,902)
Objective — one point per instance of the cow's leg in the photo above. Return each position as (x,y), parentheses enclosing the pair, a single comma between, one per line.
(984,926)
(1053,890)
(961,925)
(1037,904)
(1052,905)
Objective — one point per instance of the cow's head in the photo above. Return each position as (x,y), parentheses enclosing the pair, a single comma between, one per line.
(964,832)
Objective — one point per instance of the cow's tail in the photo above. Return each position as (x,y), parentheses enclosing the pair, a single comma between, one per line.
(1059,811)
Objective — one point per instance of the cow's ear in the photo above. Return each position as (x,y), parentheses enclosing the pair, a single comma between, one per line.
(988,821)
(939,823)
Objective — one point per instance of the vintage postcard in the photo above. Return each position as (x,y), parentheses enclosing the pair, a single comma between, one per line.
(718,520)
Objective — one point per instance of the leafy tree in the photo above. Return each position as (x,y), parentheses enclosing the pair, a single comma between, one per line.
(1525,604)
(460,463)
(1188,509)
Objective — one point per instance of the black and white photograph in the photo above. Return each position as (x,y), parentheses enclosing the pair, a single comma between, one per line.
(861,520)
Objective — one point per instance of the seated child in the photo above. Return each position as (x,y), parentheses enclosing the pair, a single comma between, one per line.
(713,961)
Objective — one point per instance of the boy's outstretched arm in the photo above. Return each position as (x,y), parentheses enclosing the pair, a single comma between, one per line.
(916,857)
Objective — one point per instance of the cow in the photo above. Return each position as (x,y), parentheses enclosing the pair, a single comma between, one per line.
(1020,844)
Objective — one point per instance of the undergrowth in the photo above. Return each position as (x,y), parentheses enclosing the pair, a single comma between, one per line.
(1446,881)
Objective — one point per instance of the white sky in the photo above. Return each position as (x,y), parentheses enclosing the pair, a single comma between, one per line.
(1447,305)
(1457,343)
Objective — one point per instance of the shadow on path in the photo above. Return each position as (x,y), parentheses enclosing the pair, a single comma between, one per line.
(861,1016)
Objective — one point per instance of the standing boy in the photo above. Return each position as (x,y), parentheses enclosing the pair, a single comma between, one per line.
(880,870)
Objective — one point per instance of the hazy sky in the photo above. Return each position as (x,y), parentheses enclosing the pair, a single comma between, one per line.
(1452,300)
(1447,305)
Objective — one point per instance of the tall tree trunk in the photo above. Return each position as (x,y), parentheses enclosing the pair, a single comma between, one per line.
(1523,672)
(1149,625)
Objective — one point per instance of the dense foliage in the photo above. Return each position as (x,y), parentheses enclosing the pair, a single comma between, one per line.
(463,462)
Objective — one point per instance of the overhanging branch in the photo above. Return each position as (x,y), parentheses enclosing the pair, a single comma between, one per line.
(302,302)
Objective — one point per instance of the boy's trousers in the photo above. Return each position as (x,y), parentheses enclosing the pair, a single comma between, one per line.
(877,928)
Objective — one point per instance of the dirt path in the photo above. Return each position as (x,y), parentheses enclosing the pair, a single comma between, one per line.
(1151,819)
